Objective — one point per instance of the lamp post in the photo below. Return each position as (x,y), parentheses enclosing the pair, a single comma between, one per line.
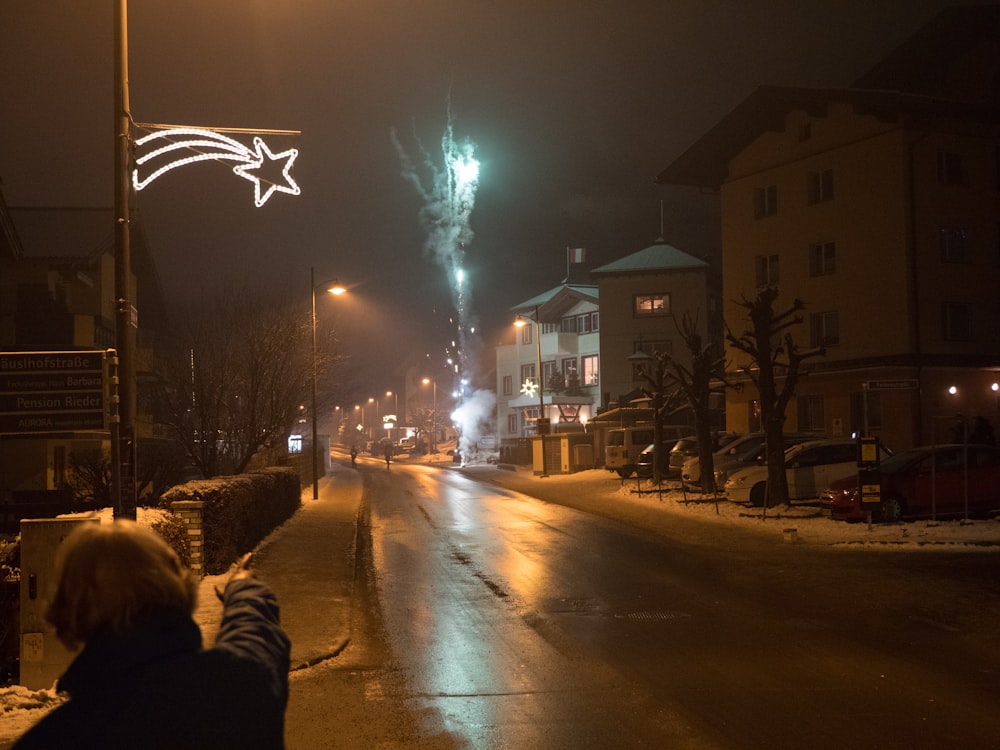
(336,289)
(395,411)
(434,412)
(123,424)
(541,427)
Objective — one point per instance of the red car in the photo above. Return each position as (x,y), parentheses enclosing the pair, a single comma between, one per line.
(923,482)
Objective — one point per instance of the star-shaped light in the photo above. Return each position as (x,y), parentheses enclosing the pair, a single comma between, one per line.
(265,156)
(529,388)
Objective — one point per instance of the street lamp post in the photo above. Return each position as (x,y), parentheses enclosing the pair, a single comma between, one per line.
(123,444)
(541,427)
(395,412)
(335,289)
(434,411)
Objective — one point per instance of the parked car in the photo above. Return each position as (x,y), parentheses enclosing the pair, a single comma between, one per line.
(747,451)
(687,447)
(810,467)
(922,481)
(625,444)
(729,444)
(644,463)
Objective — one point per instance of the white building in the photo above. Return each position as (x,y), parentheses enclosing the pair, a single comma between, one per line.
(567,351)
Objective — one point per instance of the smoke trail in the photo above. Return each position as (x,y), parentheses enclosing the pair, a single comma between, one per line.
(448,192)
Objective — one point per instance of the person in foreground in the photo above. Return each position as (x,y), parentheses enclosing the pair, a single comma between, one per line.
(142,679)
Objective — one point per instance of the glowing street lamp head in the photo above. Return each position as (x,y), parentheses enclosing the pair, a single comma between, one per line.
(336,288)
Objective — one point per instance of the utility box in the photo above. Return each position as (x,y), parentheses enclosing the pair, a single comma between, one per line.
(43,656)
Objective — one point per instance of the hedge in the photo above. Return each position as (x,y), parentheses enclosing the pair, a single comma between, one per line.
(239,511)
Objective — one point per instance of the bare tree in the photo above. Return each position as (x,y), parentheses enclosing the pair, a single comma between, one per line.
(89,475)
(699,382)
(775,368)
(666,398)
(238,369)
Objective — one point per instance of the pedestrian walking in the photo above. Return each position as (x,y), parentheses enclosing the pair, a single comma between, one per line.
(354,456)
(387,451)
(143,679)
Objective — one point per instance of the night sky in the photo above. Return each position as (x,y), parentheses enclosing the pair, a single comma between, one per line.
(573,107)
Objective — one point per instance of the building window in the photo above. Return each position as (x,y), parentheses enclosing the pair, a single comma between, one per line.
(950,168)
(595,321)
(767,269)
(652,304)
(528,333)
(528,374)
(583,323)
(568,367)
(548,370)
(811,413)
(822,258)
(954,244)
(820,186)
(765,201)
(957,321)
(588,364)
(512,424)
(824,329)
(508,385)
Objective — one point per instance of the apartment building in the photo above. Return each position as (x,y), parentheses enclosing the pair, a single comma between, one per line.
(878,206)
(559,329)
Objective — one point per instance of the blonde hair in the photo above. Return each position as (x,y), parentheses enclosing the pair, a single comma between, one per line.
(107,575)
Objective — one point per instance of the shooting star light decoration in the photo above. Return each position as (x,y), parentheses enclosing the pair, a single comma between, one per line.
(168,146)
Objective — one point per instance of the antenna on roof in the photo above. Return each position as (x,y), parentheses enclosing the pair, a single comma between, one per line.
(660,238)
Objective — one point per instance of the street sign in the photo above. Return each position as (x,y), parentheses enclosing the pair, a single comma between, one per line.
(52,392)
(892,385)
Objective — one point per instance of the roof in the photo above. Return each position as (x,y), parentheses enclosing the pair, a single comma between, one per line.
(706,163)
(921,63)
(64,232)
(925,77)
(657,257)
(578,291)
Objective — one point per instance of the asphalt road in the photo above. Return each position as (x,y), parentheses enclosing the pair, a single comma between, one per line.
(496,620)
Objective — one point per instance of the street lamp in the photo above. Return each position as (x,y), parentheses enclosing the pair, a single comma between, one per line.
(433,382)
(541,425)
(395,412)
(333,287)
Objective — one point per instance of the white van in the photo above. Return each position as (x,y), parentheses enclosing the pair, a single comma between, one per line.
(624,445)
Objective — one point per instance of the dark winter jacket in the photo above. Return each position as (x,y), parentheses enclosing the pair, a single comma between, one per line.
(155,687)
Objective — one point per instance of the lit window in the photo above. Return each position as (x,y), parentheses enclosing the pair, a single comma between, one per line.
(589,364)
(652,304)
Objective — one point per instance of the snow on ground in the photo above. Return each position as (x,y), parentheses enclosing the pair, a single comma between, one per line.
(810,525)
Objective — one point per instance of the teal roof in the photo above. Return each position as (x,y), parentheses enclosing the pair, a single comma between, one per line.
(657,257)
(541,299)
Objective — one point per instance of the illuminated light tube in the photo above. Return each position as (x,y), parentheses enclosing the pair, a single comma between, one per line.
(216,147)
